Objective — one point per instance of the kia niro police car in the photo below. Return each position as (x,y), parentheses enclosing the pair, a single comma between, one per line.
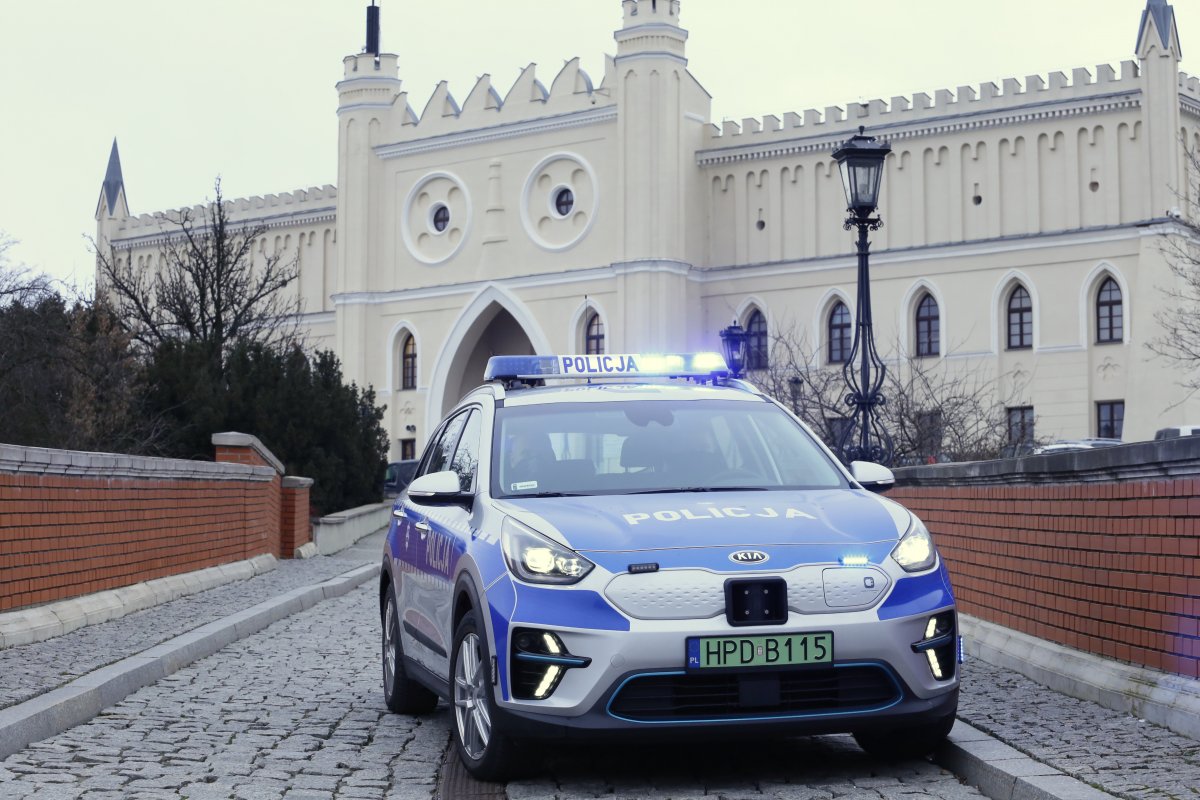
(651,548)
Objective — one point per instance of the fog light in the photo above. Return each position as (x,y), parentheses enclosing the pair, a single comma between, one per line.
(940,645)
(539,661)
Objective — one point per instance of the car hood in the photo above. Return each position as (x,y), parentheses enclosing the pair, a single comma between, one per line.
(626,523)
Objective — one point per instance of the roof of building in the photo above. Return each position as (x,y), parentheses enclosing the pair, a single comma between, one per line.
(1163,15)
(114,183)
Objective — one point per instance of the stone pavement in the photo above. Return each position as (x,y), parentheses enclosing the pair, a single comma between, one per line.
(34,669)
(1108,749)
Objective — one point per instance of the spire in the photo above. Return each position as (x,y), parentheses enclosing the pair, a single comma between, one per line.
(1162,15)
(372,29)
(114,183)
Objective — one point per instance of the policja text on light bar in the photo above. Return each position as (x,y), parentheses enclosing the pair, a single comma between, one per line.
(624,365)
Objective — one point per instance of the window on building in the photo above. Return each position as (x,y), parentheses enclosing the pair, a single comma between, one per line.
(594,336)
(564,202)
(408,449)
(441,218)
(1110,419)
(1110,313)
(839,334)
(408,363)
(759,347)
(1020,319)
(928,327)
(1020,425)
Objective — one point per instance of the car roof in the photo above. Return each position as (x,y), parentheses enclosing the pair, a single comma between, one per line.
(614,391)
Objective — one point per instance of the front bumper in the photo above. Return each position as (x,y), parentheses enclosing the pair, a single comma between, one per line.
(878,653)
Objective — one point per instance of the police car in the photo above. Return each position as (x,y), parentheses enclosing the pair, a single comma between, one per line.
(652,548)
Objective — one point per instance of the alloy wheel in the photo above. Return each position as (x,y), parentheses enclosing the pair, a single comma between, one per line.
(470,698)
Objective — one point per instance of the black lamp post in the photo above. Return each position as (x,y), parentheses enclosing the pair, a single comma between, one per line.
(865,438)
(735,341)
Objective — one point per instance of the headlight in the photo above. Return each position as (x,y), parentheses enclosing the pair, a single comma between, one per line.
(915,552)
(536,559)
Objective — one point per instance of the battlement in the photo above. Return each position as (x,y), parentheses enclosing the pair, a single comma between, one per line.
(1189,85)
(571,90)
(1012,93)
(243,209)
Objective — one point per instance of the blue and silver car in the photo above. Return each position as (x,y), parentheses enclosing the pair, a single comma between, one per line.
(639,546)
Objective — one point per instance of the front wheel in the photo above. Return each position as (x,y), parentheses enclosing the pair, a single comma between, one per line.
(905,743)
(485,751)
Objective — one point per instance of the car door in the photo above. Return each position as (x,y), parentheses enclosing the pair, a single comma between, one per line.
(426,588)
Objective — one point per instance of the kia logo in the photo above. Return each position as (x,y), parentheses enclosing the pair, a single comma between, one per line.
(748,557)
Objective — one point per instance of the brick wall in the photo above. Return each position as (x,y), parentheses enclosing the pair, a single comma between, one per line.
(1098,550)
(73,523)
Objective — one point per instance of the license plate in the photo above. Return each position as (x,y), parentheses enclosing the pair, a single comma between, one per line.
(791,649)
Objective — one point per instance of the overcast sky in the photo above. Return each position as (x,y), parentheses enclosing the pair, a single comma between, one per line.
(244,88)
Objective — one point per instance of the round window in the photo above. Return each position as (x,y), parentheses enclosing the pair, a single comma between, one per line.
(564,202)
(441,218)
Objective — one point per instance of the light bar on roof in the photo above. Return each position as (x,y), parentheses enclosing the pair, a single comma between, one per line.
(626,365)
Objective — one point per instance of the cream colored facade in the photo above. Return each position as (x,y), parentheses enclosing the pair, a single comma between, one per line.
(679,226)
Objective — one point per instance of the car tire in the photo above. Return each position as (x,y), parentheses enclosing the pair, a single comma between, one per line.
(401,694)
(905,743)
(486,752)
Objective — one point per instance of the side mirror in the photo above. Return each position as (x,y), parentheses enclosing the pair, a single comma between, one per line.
(436,488)
(873,477)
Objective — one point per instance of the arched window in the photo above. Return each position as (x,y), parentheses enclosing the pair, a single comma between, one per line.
(928,327)
(408,363)
(759,349)
(594,336)
(1110,313)
(1020,319)
(839,334)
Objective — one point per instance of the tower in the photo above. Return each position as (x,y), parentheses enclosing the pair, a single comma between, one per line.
(663,112)
(1159,52)
(365,99)
(112,208)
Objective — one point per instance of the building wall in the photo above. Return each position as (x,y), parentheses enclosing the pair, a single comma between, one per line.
(1054,183)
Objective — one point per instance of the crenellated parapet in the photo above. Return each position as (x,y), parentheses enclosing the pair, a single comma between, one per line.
(528,98)
(1104,83)
(272,210)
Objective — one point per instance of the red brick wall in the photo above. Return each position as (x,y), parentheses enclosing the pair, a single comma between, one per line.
(115,524)
(1112,568)
(295,524)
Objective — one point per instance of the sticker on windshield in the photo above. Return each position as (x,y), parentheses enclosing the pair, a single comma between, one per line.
(524,486)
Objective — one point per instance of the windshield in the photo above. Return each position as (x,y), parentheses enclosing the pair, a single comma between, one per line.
(653,446)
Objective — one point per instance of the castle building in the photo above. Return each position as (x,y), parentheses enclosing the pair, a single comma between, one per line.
(1024,233)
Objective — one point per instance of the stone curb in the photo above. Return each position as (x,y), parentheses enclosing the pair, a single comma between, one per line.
(1004,773)
(85,697)
(55,619)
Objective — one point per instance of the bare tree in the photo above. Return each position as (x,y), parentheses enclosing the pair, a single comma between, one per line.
(936,409)
(18,283)
(207,287)
(1179,316)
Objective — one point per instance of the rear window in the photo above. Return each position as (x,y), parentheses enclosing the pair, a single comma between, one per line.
(648,446)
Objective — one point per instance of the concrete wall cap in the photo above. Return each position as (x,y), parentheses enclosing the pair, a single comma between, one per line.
(342,517)
(296,482)
(43,461)
(234,439)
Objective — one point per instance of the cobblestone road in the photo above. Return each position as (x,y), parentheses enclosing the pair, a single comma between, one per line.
(1108,749)
(295,712)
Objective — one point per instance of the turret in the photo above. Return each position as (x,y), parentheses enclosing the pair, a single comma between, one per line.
(663,113)
(366,96)
(1159,51)
(112,210)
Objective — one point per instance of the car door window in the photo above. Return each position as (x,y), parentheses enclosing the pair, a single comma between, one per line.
(466,457)
(442,453)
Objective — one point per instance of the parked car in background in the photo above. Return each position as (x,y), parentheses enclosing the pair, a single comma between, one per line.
(397,477)
(1177,432)
(1068,445)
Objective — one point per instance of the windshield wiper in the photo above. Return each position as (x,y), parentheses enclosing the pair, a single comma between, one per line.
(687,489)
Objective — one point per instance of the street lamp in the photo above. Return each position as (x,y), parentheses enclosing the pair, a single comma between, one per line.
(735,341)
(865,439)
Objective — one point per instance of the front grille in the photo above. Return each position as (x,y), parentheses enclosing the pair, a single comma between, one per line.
(802,692)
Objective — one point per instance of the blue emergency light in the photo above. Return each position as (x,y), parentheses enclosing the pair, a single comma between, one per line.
(626,365)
